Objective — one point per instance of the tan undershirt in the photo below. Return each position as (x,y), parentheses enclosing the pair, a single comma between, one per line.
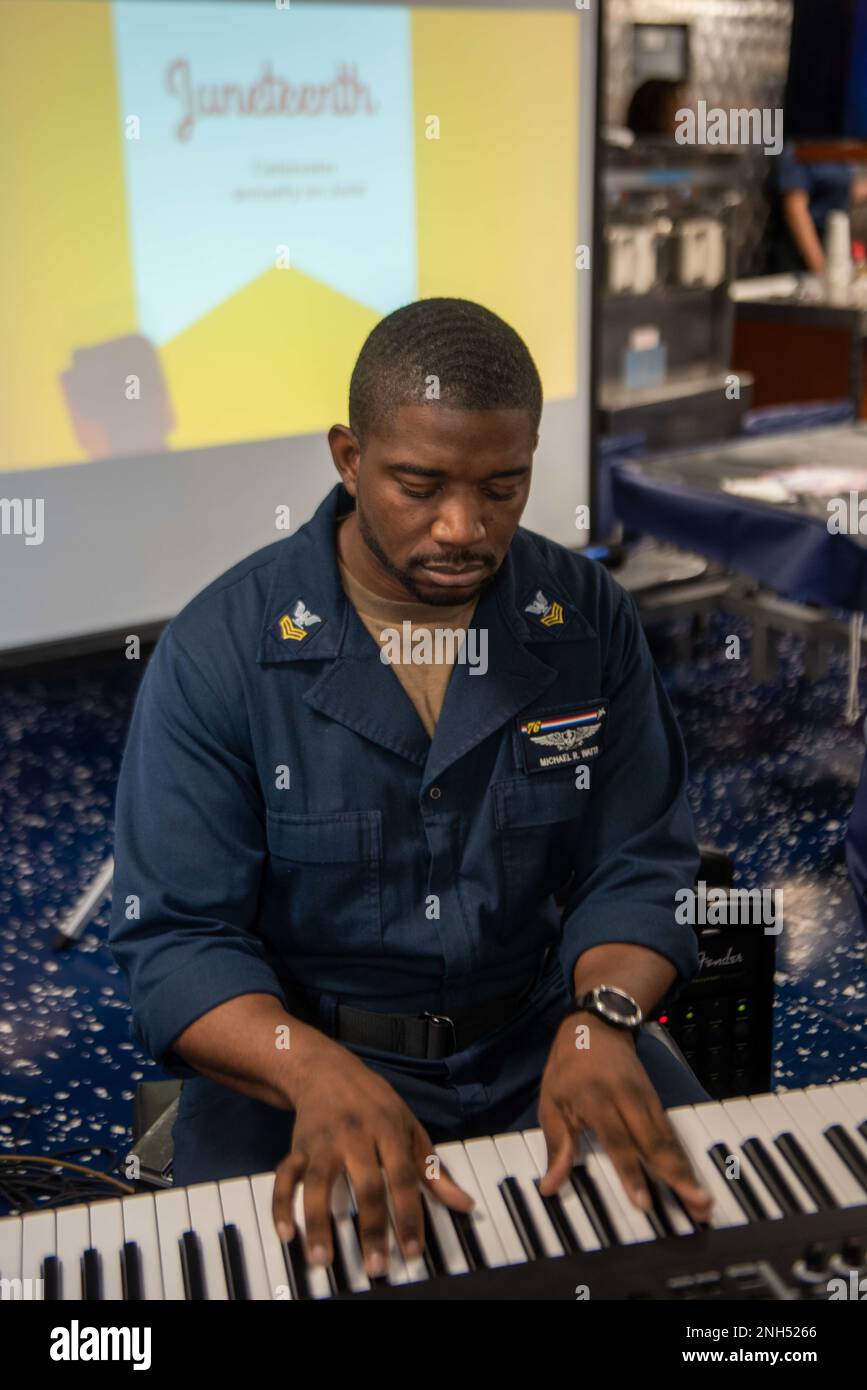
(425,684)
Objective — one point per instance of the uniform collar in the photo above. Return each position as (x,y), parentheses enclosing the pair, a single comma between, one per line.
(309,618)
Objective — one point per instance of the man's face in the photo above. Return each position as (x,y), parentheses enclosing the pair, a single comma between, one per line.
(439,497)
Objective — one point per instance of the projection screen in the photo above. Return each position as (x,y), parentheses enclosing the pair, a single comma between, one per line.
(206,208)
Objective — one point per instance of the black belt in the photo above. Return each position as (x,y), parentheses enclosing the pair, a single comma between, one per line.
(426,1035)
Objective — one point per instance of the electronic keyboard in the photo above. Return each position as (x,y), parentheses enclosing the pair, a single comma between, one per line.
(791,1223)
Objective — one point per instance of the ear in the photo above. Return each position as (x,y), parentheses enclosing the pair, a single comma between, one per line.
(346,454)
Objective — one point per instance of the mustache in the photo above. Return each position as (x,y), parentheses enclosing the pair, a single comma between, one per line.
(456,561)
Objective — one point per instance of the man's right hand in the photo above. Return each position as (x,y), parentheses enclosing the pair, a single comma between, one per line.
(349,1120)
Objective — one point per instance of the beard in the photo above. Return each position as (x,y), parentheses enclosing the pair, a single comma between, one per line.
(404,577)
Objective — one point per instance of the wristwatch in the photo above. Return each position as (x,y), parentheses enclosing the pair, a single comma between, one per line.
(611,1004)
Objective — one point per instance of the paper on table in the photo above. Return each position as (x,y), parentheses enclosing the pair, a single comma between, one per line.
(758,489)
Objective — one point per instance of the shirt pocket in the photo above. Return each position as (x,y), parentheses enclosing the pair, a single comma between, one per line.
(325,882)
(538,821)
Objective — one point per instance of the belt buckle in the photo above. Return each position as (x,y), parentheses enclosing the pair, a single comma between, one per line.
(440,1021)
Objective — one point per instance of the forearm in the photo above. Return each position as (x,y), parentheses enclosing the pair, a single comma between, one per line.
(251,1044)
(796,210)
(643,973)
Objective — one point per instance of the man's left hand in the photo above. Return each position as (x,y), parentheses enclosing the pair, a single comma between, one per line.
(604,1087)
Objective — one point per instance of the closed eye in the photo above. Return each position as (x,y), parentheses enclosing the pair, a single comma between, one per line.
(428,494)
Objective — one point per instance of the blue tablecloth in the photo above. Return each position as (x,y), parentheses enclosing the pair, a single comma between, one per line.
(786,548)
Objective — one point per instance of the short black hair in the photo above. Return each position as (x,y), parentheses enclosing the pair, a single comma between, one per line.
(650,108)
(479,361)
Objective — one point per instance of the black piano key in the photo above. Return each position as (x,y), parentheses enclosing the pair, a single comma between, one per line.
(192,1268)
(233,1262)
(131,1272)
(848,1152)
(862,1129)
(696,1225)
(741,1188)
(296,1267)
(434,1259)
(560,1221)
(522,1218)
(51,1279)
(91,1276)
(338,1275)
(594,1206)
(658,1216)
(467,1237)
(776,1183)
(801,1164)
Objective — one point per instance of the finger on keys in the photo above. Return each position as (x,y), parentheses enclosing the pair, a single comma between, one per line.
(288,1175)
(396,1154)
(613,1134)
(560,1143)
(437,1178)
(320,1176)
(368,1186)
(663,1154)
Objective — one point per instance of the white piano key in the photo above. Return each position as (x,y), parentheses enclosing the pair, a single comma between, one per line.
(630,1223)
(751,1125)
(459,1167)
(342,1208)
(397,1267)
(721,1129)
(441,1221)
(10,1247)
(140,1225)
(73,1238)
(317,1276)
(571,1203)
(488,1168)
(206,1219)
(236,1199)
(262,1188)
(518,1163)
(797,1116)
(106,1237)
(413,1268)
(173,1219)
(832,1111)
(853,1094)
(693,1137)
(38,1239)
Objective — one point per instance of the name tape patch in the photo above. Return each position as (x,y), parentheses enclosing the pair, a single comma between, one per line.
(555,740)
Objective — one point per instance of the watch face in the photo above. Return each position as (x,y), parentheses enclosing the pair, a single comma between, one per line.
(616,1004)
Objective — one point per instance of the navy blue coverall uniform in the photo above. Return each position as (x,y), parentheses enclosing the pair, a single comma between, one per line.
(284,822)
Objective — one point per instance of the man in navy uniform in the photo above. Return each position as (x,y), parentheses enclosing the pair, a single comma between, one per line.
(368,900)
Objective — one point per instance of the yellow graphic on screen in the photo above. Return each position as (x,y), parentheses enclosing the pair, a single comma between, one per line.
(495,204)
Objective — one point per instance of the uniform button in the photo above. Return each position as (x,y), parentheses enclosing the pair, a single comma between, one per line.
(435,793)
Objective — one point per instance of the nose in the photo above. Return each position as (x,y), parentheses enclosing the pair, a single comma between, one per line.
(458,525)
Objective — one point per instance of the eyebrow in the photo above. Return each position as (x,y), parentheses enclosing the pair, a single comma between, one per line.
(420,472)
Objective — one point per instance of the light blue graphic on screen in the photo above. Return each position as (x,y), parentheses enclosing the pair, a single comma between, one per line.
(262,128)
